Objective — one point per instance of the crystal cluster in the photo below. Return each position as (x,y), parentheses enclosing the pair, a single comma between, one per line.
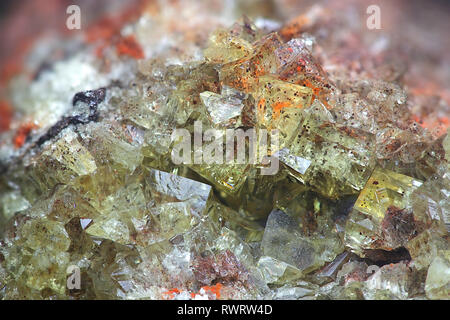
(358,208)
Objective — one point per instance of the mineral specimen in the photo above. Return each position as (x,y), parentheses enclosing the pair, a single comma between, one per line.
(183,155)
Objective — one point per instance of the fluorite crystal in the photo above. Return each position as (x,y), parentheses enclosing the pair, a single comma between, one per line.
(437,282)
(285,240)
(340,158)
(380,218)
(357,207)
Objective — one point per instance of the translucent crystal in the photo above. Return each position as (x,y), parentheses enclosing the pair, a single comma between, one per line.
(12,202)
(333,269)
(298,164)
(425,247)
(297,65)
(72,154)
(226,161)
(301,291)
(226,46)
(333,290)
(111,274)
(244,73)
(279,106)
(284,240)
(380,218)
(392,282)
(341,159)
(121,214)
(430,200)
(107,143)
(222,108)
(437,285)
(41,246)
(353,271)
(247,229)
(276,271)
(184,102)
(160,127)
(174,205)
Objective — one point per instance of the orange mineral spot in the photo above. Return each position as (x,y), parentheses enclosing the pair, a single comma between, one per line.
(171,293)
(104,32)
(128,46)
(437,126)
(276,108)
(22,134)
(213,289)
(261,106)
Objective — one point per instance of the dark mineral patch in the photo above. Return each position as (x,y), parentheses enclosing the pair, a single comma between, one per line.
(92,98)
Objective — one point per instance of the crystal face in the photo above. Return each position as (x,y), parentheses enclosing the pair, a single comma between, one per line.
(121,174)
(170,206)
(437,283)
(341,158)
(381,218)
(284,240)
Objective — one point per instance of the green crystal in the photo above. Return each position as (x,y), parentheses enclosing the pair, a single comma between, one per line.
(376,221)
(333,159)
(177,204)
(38,258)
(437,285)
(73,155)
(285,240)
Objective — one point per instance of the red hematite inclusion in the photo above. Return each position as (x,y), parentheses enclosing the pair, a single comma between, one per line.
(130,47)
